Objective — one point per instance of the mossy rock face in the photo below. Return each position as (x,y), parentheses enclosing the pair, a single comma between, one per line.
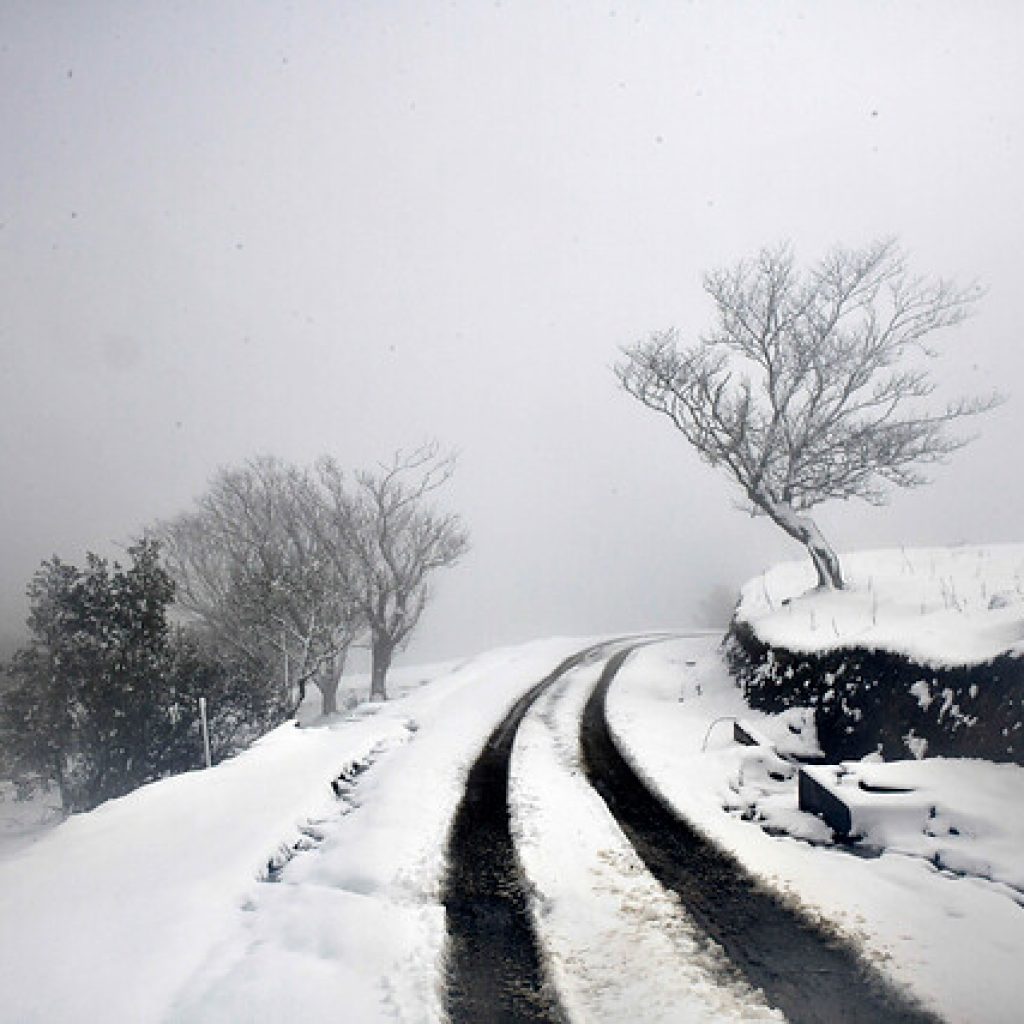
(869,701)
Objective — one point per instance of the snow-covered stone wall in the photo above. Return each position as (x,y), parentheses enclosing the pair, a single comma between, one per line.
(868,701)
(922,656)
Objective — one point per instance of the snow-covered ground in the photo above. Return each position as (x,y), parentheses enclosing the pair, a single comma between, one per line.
(939,606)
(158,907)
(955,940)
(151,907)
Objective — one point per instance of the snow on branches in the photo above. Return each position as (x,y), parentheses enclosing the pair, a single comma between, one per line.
(811,385)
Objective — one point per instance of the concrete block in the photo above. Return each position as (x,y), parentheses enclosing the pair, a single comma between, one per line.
(745,734)
(817,796)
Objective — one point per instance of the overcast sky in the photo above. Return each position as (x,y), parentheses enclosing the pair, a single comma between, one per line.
(347,227)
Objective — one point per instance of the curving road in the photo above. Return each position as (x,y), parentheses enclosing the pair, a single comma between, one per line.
(494,964)
(495,968)
(808,972)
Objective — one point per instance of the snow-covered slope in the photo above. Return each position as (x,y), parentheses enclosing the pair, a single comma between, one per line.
(938,606)
(150,907)
(105,916)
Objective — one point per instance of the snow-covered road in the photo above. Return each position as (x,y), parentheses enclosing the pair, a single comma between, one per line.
(618,945)
(603,864)
(495,968)
(156,907)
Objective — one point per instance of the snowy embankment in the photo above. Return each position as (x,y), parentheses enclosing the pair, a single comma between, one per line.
(152,906)
(922,653)
(939,606)
(954,940)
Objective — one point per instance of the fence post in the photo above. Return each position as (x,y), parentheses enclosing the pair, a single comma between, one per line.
(206,731)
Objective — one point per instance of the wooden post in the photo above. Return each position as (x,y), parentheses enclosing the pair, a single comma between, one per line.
(206,732)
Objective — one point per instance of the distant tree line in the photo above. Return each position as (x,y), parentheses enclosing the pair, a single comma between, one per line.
(259,591)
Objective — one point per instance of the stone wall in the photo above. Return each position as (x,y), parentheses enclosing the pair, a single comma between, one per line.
(866,701)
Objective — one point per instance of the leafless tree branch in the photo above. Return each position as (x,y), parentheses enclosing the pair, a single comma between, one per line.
(803,390)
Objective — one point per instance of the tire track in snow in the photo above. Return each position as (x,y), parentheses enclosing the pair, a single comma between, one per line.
(615,942)
(494,965)
(810,974)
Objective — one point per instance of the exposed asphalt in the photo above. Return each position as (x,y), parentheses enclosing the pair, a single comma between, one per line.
(495,972)
(810,973)
(495,975)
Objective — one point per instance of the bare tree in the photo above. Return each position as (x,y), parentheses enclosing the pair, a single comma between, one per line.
(250,565)
(805,388)
(389,541)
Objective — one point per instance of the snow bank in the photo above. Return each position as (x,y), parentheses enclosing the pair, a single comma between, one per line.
(960,815)
(104,916)
(953,938)
(149,908)
(939,606)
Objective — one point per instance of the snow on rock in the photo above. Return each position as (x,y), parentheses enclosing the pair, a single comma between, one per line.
(954,939)
(938,606)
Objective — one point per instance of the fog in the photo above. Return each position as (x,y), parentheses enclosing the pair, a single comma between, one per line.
(345,228)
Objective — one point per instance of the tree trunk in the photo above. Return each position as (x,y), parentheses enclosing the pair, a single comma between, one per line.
(328,683)
(329,696)
(382,650)
(805,530)
(66,803)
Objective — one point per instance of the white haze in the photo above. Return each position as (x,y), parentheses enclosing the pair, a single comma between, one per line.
(347,227)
